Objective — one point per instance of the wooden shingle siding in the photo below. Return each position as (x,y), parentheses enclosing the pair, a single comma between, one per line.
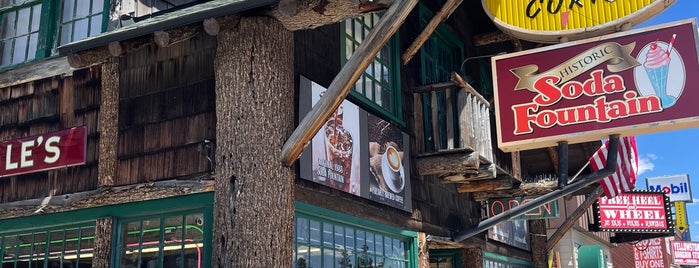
(49,105)
(166,111)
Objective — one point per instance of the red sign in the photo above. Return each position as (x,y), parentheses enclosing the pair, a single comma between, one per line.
(43,152)
(630,83)
(649,253)
(634,212)
(685,253)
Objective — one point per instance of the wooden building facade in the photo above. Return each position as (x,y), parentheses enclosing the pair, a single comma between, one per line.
(187,106)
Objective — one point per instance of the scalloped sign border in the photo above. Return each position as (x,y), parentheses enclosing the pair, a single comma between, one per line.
(554,21)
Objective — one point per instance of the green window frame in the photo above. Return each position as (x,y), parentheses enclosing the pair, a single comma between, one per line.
(79,21)
(378,88)
(492,260)
(440,55)
(30,30)
(445,258)
(53,247)
(325,239)
(121,213)
(165,240)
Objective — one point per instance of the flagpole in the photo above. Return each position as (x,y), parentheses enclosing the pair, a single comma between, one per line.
(609,169)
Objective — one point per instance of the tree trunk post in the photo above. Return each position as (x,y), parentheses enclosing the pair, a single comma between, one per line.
(253,200)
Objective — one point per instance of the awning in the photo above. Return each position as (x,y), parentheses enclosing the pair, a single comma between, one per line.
(169,20)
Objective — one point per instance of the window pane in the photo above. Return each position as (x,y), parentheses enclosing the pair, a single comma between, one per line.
(83,9)
(80,30)
(95,25)
(33,45)
(5,57)
(97,6)
(68,10)
(20,49)
(23,19)
(8,22)
(172,241)
(36,18)
(66,31)
(54,247)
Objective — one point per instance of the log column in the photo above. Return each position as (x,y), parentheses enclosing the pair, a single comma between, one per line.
(108,123)
(253,210)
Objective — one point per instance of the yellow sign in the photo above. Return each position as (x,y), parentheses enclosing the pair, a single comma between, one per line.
(680,217)
(551,20)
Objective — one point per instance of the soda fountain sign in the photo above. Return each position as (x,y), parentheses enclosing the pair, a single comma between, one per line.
(634,212)
(550,21)
(632,83)
(675,186)
(43,152)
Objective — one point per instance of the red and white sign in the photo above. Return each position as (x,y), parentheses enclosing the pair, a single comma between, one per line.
(649,253)
(43,152)
(630,83)
(685,253)
(634,211)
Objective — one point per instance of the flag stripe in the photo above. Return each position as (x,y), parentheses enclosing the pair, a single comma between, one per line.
(624,177)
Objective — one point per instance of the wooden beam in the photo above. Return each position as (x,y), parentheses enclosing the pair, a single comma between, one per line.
(161,38)
(288,7)
(433,87)
(441,16)
(570,220)
(485,185)
(456,78)
(315,13)
(344,81)
(211,26)
(490,38)
(457,161)
(524,189)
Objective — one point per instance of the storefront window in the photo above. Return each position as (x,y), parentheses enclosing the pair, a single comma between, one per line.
(63,247)
(491,260)
(445,258)
(164,241)
(324,243)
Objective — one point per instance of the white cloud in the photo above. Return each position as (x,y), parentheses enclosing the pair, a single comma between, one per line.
(645,163)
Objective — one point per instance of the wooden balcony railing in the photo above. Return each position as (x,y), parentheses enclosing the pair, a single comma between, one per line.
(452,121)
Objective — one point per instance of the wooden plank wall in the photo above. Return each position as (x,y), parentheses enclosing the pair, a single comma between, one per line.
(48,105)
(166,111)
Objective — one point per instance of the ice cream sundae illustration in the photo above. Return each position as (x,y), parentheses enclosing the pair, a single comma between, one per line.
(657,65)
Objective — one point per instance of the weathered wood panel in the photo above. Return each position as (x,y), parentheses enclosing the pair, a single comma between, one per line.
(166,111)
(47,105)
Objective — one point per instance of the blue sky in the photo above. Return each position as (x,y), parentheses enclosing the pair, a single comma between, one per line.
(673,152)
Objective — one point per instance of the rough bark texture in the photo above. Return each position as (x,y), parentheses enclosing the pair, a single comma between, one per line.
(537,228)
(423,252)
(108,129)
(254,209)
(103,242)
(472,257)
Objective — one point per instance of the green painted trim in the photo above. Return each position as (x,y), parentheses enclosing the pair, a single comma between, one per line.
(394,67)
(323,213)
(454,253)
(497,257)
(132,209)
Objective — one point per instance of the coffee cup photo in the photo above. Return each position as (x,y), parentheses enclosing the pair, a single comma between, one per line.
(392,169)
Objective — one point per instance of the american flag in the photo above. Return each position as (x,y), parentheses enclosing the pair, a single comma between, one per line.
(624,178)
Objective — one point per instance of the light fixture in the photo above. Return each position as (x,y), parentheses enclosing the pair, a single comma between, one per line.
(463,71)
